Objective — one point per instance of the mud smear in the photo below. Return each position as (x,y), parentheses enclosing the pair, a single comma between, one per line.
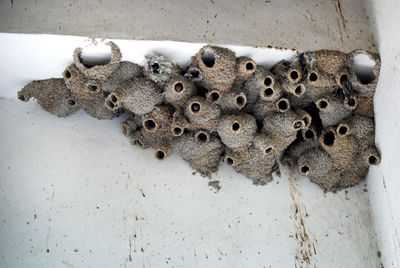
(306,245)
(130,249)
(215,185)
(341,21)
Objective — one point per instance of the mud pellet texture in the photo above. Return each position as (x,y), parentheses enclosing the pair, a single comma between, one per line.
(313,113)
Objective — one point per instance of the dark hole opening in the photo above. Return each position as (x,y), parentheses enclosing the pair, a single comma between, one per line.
(297,125)
(313,77)
(323,104)
(282,105)
(294,75)
(305,119)
(298,90)
(343,130)
(372,160)
(268,92)
(177,131)
(304,169)
(202,137)
(21,97)
(240,100)
(160,154)
(71,102)
(150,124)
(309,134)
(268,81)
(208,58)
(329,138)
(214,96)
(351,102)
(67,74)
(365,79)
(229,161)
(249,66)
(195,107)
(113,98)
(194,73)
(155,67)
(178,87)
(92,88)
(268,150)
(235,126)
(343,79)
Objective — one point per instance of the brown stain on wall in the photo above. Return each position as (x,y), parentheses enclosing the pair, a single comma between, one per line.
(341,13)
(133,223)
(341,21)
(130,248)
(306,245)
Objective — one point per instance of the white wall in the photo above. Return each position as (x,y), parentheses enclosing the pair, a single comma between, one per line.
(75,193)
(384,181)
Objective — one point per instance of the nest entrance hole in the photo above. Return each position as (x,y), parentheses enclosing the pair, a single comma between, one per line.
(195,107)
(160,155)
(178,87)
(96,55)
(229,161)
(364,68)
(240,101)
(373,160)
(236,126)
(202,138)
(149,124)
(249,66)
(283,105)
(208,58)
(313,77)
(304,169)
(294,75)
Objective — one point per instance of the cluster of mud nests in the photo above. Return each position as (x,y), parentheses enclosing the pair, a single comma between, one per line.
(313,113)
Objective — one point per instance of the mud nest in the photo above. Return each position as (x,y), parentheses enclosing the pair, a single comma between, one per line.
(313,113)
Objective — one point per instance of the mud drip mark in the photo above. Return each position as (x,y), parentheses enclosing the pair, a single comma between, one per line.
(137,225)
(130,248)
(215,185)
(341,21)
(49,228)
(306,245)
(133,220)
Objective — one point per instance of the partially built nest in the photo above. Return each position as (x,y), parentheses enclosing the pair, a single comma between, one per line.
(313,113)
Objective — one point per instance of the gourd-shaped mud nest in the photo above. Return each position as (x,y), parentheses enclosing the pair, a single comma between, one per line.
(313,113)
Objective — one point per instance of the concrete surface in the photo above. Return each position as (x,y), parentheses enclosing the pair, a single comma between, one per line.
(304,25)
(384,182)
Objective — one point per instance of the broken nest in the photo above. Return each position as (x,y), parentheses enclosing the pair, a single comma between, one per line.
(313,113)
